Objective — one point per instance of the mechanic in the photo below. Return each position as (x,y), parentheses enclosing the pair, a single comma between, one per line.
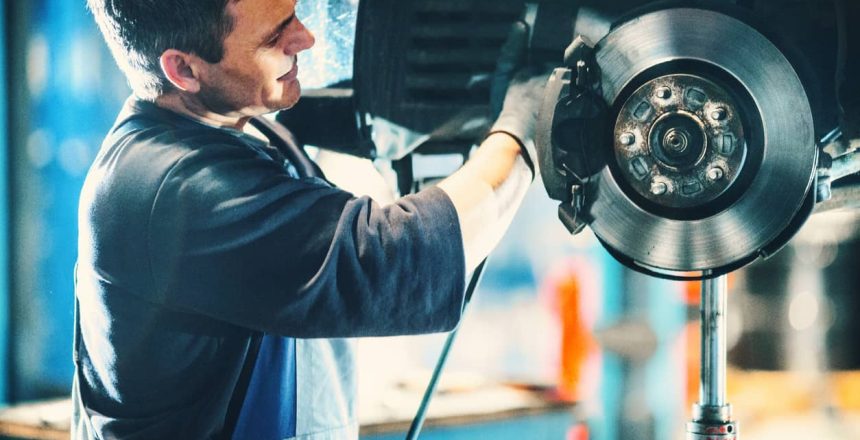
(197,239)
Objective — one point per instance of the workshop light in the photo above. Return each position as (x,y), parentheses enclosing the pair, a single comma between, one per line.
(38,63)
(803,311)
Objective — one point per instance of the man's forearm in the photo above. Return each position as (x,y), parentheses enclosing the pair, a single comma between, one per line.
(486,193)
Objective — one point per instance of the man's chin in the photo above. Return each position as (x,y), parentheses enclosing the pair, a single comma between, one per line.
(288,101)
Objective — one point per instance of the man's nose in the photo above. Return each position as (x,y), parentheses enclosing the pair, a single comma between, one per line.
(303,39)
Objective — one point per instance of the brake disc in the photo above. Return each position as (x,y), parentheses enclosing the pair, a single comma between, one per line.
(712,151)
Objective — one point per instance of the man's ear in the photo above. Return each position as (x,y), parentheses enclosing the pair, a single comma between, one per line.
(181,70)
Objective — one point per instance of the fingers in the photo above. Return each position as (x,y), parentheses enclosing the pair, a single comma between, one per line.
(513,52)
(511,57)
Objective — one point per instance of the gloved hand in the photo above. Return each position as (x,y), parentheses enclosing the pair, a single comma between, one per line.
(516,93)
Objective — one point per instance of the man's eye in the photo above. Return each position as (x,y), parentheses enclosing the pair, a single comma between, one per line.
(274,41)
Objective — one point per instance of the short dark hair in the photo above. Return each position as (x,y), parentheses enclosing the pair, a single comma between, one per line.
(139,31)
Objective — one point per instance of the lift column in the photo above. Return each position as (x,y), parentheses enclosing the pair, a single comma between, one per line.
(712,415)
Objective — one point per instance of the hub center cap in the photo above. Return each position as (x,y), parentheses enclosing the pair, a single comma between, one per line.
(679,141)
(675,141)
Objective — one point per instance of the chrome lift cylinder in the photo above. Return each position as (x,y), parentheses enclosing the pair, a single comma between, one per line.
(712,416)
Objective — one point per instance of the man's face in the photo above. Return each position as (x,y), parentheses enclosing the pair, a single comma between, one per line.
(257,74)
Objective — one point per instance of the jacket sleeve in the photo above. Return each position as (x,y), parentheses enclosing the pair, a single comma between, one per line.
(234,237)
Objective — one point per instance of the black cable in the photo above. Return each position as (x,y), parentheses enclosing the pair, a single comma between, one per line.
(418,421)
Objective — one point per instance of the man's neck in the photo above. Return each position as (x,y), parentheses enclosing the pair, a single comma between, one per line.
(195,110)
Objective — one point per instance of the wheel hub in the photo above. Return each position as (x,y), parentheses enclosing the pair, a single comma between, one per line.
(679,141)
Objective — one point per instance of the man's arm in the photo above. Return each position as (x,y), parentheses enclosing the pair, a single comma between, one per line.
(486,194)
(489,189)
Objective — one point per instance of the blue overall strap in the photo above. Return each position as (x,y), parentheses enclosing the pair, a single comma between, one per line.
(241,390)
(269,410)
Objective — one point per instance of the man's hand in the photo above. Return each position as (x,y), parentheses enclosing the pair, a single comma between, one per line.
(512,58)
(490,187)
(517,93)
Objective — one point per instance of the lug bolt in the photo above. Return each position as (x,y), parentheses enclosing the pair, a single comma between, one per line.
(627,139)
(715,174)
(718,114)
(659,188)
(664,93)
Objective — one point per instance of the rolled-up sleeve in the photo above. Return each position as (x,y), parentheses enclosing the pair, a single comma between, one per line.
(232,236)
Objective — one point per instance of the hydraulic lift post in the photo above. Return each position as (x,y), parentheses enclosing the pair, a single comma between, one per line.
(712,415)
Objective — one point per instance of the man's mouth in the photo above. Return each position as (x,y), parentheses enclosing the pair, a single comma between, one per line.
(292,73)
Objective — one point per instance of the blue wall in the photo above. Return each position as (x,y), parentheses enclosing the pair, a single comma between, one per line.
(4,209)
(73,92)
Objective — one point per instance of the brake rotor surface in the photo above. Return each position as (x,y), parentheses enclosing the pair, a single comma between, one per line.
(713,143)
